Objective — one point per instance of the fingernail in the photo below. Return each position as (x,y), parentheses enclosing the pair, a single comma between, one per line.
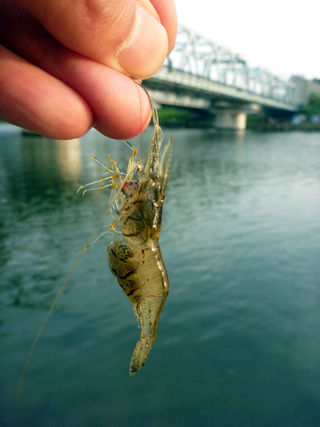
(146,48)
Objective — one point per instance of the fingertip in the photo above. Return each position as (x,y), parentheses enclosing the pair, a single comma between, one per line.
(143,53)
(128,119)
(77,123)
(167,12)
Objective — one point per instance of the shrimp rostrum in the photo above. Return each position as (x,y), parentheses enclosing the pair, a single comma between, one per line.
(135,257)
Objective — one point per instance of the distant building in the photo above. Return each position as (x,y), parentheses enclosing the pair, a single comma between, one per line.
(305,88)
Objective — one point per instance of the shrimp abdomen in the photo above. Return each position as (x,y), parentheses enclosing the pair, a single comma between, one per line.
(142,275)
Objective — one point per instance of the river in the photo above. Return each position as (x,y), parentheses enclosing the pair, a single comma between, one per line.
(239,337)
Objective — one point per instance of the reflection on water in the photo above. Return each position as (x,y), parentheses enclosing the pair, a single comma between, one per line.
(38,175)
(69,159)
(33,165)
(239,343)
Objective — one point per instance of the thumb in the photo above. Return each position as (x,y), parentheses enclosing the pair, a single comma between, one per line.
(125,35)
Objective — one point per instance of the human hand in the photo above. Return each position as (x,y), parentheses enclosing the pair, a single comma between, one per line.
(68,65)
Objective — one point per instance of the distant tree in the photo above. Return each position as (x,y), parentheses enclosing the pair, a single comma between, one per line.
(313,105)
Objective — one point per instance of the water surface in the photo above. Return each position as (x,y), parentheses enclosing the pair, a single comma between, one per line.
(238,342)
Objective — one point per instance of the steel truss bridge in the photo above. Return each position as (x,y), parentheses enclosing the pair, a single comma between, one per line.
(200,73)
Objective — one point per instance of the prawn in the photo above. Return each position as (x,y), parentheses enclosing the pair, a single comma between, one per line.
(135,259)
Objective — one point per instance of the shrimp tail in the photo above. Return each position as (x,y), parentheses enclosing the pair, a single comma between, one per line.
(143,277)
(139,356)
(148,319)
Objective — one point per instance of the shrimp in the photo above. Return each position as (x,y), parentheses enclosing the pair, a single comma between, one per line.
(135,259)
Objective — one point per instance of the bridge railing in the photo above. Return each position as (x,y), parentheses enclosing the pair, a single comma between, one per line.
(199,56)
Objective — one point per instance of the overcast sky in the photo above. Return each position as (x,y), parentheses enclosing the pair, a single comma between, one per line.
(281,36)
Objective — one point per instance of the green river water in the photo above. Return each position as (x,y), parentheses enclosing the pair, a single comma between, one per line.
(239,338)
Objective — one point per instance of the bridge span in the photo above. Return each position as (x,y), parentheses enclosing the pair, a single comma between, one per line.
(200,73)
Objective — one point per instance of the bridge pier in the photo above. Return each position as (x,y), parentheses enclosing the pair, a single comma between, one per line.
(233,116)
(230,119)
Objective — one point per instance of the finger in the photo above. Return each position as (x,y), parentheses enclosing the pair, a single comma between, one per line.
(167,13)
(113,97)
(121,108)
(126,35)
(37,101)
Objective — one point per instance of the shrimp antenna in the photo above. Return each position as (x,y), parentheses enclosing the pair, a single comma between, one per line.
(129,172)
